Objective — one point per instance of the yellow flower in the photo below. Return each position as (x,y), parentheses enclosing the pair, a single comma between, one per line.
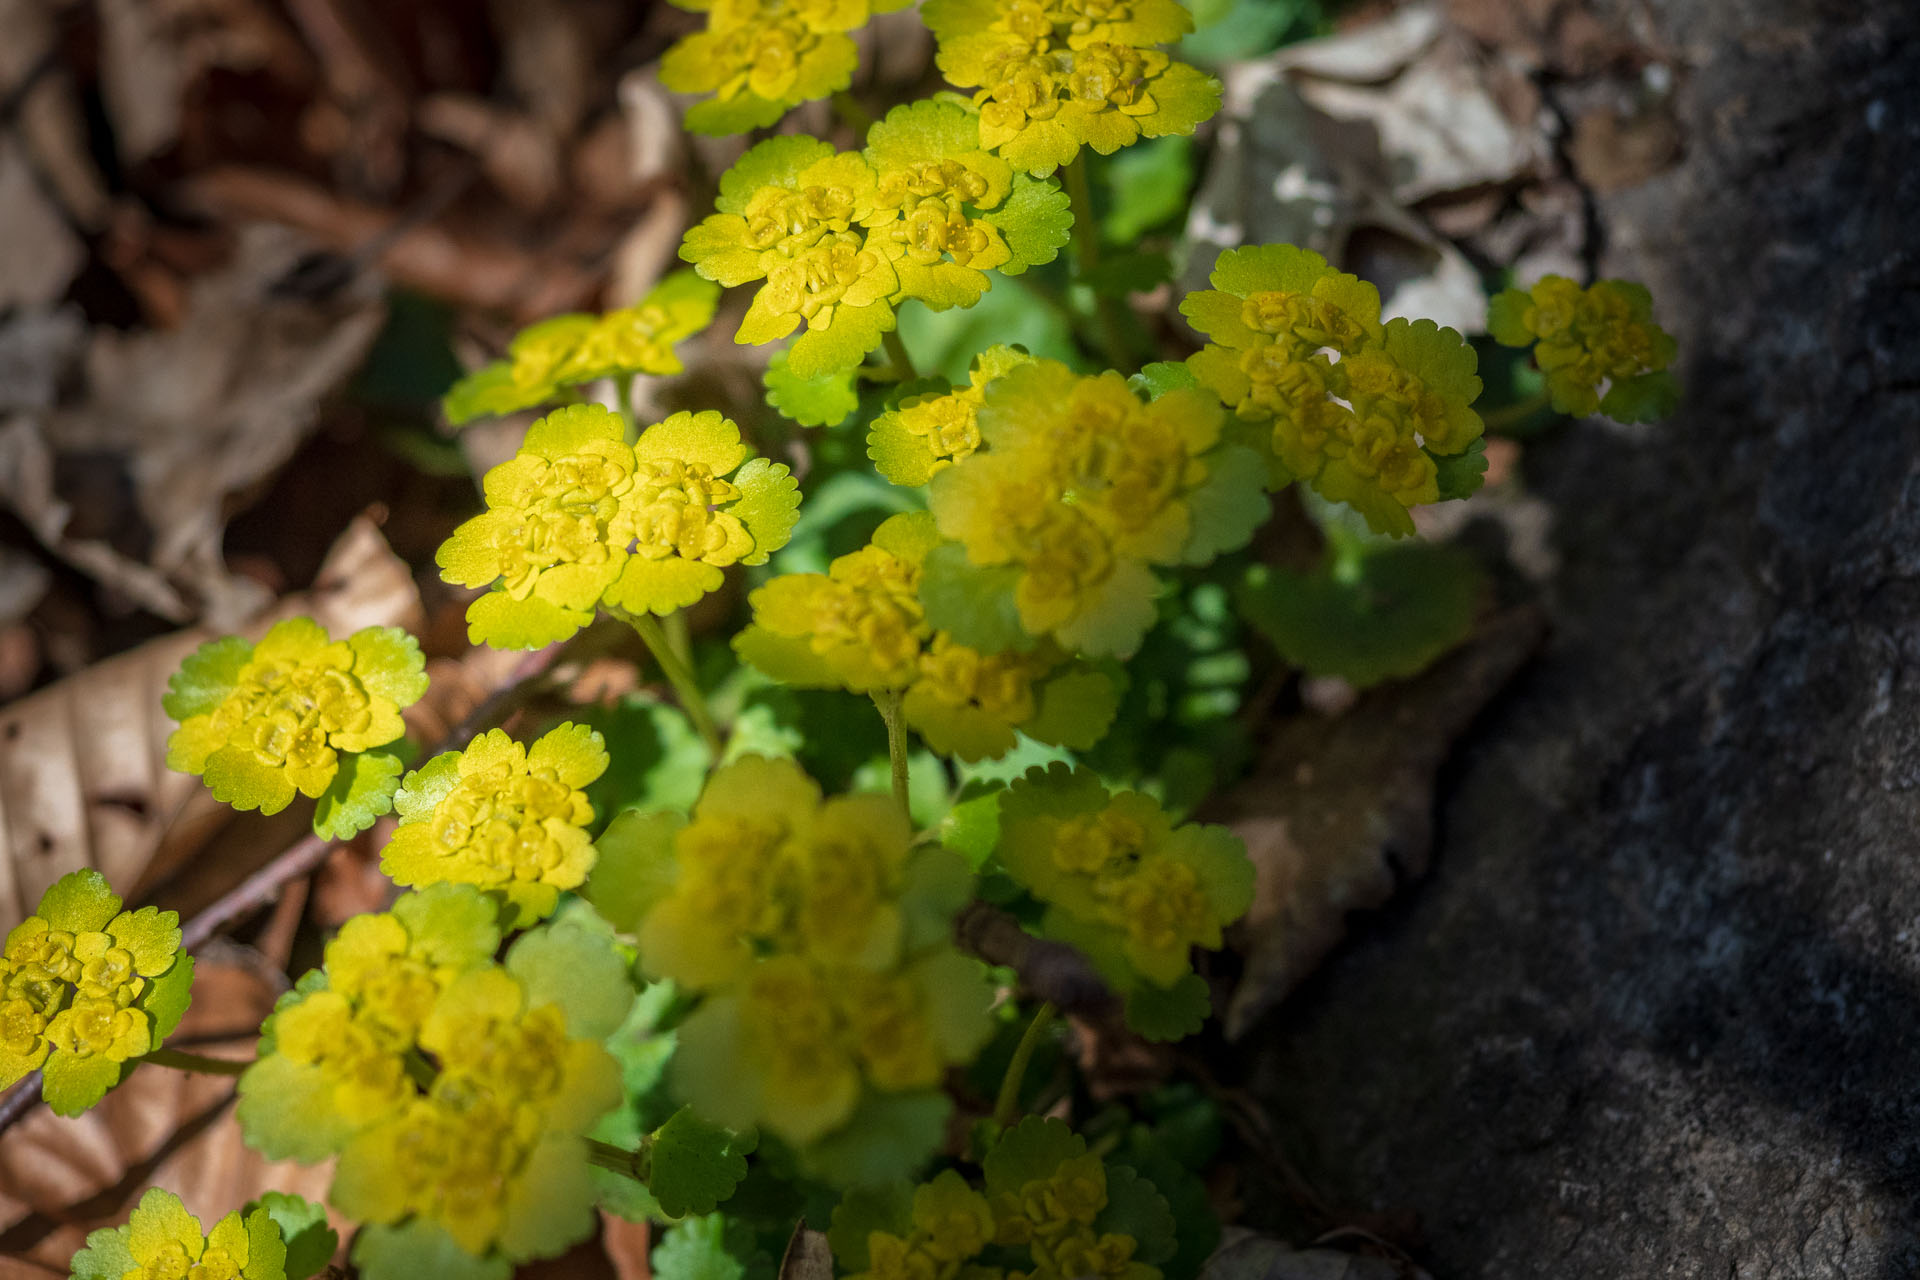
(698,504)
(492,1153)
(1049,79)
(1583,338)
(1083,489)
(841,238)
(579,517)
(759,57)
(334,1054)
(927,433)
(1358,409)
(162,1241)
(816,938)
(1135,891)
(499,815)
(860,626)
(545,359)
(268,721)
(86,988)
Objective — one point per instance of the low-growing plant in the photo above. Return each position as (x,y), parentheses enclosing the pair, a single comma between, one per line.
(697,961)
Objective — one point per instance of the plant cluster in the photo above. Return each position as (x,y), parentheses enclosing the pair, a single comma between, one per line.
(705,961)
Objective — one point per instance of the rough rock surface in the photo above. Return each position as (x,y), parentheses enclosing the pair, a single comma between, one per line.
(1657,1011)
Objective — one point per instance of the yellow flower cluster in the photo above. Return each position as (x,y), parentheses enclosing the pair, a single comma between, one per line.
(841,238)
(1084,488)
(268,721)
(454,1090)
(571,350)
(1358,409)
(1583,338)
(816,936)
(1051,76)
(1134,891)
(929,432)
(580,518)
(86,988)
(507,818)
(162,1241)
(860,626)
(1046,1196)
(759,57)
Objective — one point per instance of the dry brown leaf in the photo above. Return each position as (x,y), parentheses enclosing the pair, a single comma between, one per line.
(808,1255)
(629,1247)
(61,1178)
(192,418)
(1340,812)
(83,776)
(19,1269)
(39,254)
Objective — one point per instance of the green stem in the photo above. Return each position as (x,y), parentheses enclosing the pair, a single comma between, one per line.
(181,1060)
(680,675)
(623,397)
(1519,411)
(1007,1106)
(637,1165)
(1086,236)
(897,352)
(678,634)
(1086,256)
(888,704)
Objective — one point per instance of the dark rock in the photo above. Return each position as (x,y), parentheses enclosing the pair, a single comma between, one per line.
(1657,1011)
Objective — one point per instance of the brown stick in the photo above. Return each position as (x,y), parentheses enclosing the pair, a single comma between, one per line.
(302,858)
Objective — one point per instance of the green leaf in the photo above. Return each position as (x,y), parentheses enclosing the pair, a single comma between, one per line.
(774,161)
(1169,1013)
(427,786)
(420,1249)
(1123,274)
(696,1250)
(1076,710)
(1408,606)
(1229,504)
(1461,474)
(303,1225)
(973,604)
(1029,1151)
(769,505)
(717,119)
(1506,318)
(577,967)
(861,1213)
(696,1164)
(106,1257)
(1147,186)
(78,902)
(888,1139)
(207,676)
(972,827)
(635,868)
(1646,397)
(945,342)
(72,1084)
(1036,221)
(491,392)
(1237,30)
(1136,1208)
(388,662)
(360,793)
(844,343)
(823,401)
(1162,376)
(167,996)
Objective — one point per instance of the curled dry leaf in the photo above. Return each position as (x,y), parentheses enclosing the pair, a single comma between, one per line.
(1340,812)
(61,1178)
(83,776)
(808,1255)
(191,417)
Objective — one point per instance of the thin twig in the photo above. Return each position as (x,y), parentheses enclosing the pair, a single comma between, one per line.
(301,858)
(1053,971)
